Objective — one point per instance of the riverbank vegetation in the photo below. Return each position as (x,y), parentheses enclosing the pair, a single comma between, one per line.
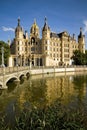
(54,117)
(79,58)
(6,52)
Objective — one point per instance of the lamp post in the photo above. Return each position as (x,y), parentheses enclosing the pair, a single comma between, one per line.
(17,60)
(2,50)
(30,61)
(3,66)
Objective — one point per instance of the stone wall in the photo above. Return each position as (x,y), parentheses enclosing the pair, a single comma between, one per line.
(57,70)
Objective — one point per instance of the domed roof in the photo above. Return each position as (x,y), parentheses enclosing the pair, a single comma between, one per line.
(34,29)
(18,28)
(35,26)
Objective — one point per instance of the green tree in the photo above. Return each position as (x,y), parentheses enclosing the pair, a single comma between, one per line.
(6,52)
(79,58)
(86,57)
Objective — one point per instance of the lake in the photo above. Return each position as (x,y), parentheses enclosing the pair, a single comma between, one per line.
(42,90)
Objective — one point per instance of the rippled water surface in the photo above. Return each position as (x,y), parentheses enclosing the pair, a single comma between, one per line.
(43,90)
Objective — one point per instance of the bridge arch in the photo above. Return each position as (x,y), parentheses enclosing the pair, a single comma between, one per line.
(21,75)
(14,75)
(11,78)
(27,75)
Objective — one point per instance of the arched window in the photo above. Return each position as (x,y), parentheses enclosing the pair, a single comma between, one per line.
(32,40)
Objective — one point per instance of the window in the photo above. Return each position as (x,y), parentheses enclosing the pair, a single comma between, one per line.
(45,42)
(32,49)
(66,50)
(18,42)
(66,55)
(32,40)
(26,43)
(18,48)
(66,45)
(45,47)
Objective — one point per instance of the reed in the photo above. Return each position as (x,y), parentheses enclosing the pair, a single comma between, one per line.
(54,117)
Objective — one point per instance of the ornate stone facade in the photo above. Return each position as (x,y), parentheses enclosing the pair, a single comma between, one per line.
(53,49)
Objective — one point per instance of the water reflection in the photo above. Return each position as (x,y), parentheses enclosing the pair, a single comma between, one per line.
(11,86)
(43,90)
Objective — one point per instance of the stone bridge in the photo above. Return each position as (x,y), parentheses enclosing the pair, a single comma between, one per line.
(15,73)
(12,73)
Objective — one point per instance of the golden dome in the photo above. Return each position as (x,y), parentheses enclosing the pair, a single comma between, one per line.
(34,27)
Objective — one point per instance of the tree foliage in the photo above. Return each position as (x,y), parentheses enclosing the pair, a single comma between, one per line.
(6,52)
(86,56)
(79,58)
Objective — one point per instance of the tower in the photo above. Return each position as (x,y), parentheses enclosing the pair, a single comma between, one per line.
(34,45)
(45,43)
(19,45)
(81,41)
(26,35)
(19,31)
(45,30)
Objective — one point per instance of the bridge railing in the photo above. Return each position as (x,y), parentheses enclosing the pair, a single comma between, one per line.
(5,70)
(1,71)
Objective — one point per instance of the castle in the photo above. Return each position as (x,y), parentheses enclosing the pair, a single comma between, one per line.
(53,49)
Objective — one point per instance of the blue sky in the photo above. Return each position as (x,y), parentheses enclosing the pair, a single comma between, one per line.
(62,15)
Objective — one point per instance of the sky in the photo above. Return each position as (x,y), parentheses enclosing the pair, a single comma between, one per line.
(62,15)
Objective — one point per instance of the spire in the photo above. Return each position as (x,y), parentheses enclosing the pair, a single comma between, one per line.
(81,30)
(46,27)
(34,21)
(18,28)
(80,35)
(45,20)
(18,21)
(73,36)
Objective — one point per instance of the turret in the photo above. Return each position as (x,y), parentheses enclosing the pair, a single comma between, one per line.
(34,31)
(26,35)
(46,43)
(46,30)
(81,41)
(19,31)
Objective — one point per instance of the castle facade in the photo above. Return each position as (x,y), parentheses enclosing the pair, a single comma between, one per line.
(53,49)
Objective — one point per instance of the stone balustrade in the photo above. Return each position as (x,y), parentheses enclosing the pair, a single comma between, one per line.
(7,73)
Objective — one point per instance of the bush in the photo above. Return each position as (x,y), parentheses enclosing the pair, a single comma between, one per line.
(55,117)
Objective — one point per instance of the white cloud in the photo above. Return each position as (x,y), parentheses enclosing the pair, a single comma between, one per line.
(85,27)
(7,29)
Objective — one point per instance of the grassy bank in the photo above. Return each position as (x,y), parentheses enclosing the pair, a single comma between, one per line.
(54,117)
